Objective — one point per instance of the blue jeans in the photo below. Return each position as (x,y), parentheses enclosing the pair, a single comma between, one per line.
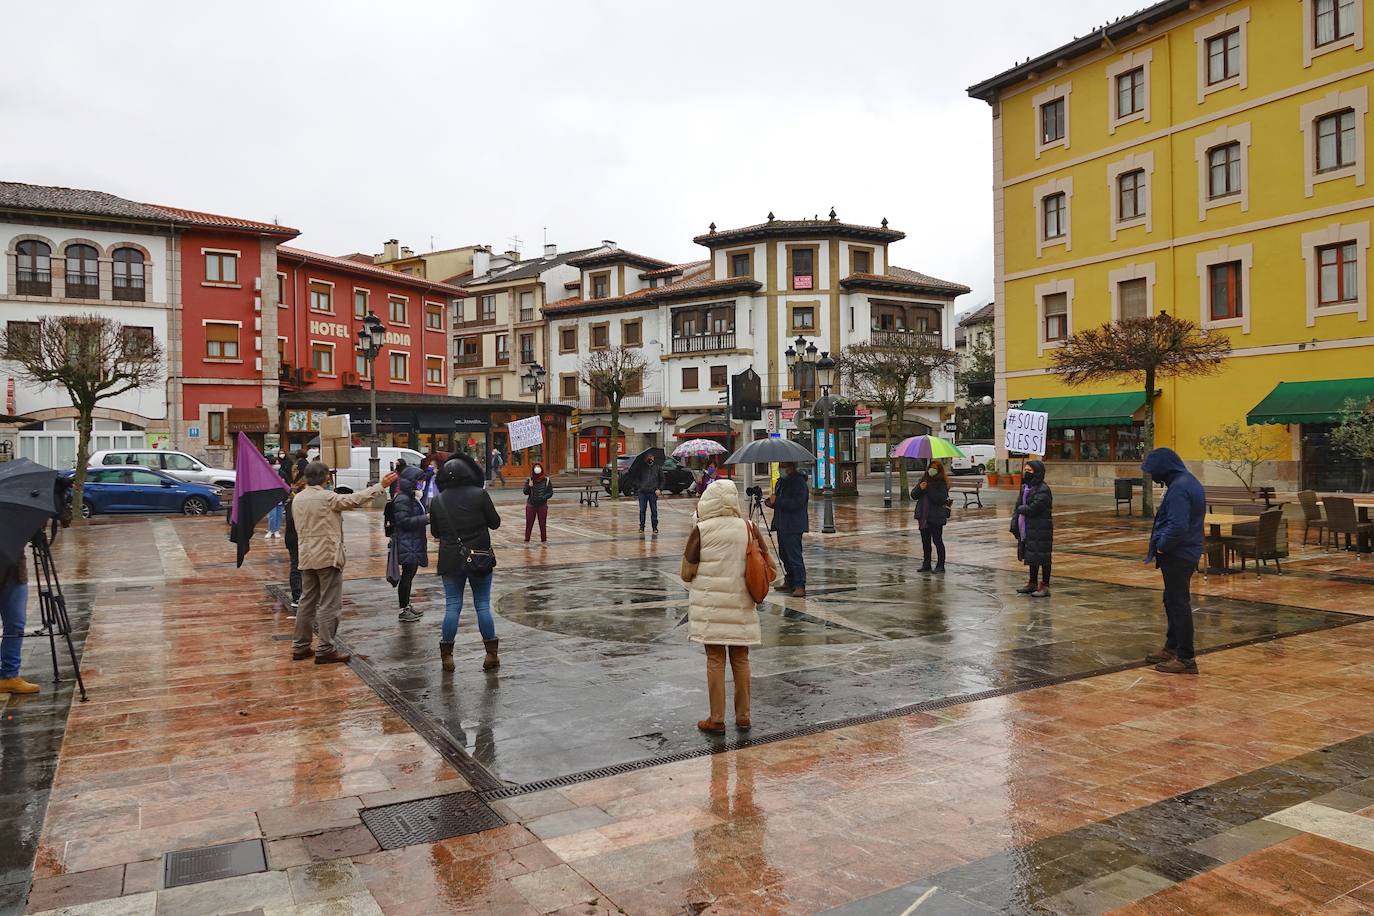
(648,499)
(274,518)
(13,603)
(453,604)
(790,548)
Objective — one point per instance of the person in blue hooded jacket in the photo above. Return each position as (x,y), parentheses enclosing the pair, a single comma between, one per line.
(1176,547)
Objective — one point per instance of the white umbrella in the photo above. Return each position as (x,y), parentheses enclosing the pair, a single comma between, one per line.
(698,448)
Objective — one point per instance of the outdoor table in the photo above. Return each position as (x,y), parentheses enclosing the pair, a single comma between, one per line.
(1219,526)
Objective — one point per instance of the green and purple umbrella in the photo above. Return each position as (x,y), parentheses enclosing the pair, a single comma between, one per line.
(928,448)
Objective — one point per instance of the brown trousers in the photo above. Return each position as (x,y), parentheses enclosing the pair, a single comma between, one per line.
(715,680)
(321,600)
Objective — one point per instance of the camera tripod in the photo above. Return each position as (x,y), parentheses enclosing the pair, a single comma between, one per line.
(52,605)
(756,510)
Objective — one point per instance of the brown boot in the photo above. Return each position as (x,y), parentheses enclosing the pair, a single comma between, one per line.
(1163,655)
(1177,666)
(446,655)
(799,592)
(300,655)
(491,662)
(333,658)
(712,728)
(17,684)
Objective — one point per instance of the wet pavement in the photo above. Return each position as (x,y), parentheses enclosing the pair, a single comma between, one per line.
(597,670)
(1039,776)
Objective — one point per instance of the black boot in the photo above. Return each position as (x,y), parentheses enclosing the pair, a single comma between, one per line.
(491,661)
(925,567)
(446,655)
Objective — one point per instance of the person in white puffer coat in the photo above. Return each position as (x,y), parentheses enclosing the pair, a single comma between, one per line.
(721,614)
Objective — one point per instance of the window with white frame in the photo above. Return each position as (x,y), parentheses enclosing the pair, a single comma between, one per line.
(400,367)
(1053,313)
(1051,106)
(1221,52)
(434,370)
(1055,210)
(399,307)
(1132,291)
(1224,287)
(1130,194)
(1337,259)
(1052,215)
(1130,189)
(1128,89)
(1334,134)
(360,303)
(1329,25)
(221,340)
(1056,317)
(1223,168)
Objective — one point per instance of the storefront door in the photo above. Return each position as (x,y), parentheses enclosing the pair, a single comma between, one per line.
(1328,469)
(594,447)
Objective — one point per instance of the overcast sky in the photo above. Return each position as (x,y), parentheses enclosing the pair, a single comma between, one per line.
(460,122)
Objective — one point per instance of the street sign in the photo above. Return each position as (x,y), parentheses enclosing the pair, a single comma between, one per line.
(770,419)
(951,426)
(193,432)
(575,421)
(746,395)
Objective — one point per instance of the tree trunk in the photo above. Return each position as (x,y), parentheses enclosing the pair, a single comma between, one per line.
(83,456)
(1147,490)
(615,452)
(888,443)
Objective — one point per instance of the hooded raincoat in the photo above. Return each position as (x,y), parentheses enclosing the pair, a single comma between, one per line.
(1033,520)
(410,519)
(1180,518)
(720,611)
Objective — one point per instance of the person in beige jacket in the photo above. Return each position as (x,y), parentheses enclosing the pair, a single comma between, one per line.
(720,613)
(318,514)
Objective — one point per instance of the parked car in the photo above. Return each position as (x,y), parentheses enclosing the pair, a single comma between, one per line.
(118,490)
(179,464)
(978,458)
(676,478)
(352,479)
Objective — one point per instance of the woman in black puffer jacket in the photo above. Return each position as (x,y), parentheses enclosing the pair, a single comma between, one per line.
(462,517)
(412,546)
(1033,526)
(931,496)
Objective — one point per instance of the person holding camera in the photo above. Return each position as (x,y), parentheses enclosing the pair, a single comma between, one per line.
(14,598)
(931,497)
(791,519)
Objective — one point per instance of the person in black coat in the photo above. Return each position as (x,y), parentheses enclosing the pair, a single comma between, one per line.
(791,519)
(293,547)
(538,492)
(650,482)
(1033,526)
(462,517)
(931,496)
(409,519)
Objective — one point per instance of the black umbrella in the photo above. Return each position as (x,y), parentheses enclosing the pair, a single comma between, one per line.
(771,451)
(28,500)
(638,468)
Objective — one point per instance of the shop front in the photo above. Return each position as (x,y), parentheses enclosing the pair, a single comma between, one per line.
(1093,438)
(1315,409)
(594,447)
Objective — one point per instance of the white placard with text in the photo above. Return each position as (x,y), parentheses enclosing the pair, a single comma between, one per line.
(1027,432)
(525,433)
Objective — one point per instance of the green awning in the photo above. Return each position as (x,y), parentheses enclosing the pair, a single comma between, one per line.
(1311,402)
(1089,409)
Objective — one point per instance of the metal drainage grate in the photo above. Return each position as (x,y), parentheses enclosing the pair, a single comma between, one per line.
(209,863)
(133,588)
(429,820)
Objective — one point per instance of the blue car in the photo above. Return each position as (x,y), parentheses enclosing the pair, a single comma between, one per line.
(118,490)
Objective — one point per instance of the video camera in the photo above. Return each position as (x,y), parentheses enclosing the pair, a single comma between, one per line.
(754,492)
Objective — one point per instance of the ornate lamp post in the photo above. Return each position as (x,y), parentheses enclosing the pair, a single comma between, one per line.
(371,338)
(825,378)
(534,383)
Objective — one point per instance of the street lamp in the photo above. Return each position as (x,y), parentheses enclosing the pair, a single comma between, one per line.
(825,378)
(534,383)
(371,337)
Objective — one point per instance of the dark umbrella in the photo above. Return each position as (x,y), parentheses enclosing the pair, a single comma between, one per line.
(771,451)
(638,468)
(28,500)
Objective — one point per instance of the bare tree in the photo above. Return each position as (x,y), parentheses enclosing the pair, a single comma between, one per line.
(1240,451)
(93,358)
(892,372)
(1142,350)
(613,374)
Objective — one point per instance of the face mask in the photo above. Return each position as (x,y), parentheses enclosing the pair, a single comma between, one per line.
(538,470)
(933,472)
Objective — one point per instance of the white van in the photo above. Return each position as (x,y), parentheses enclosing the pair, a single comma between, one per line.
(977,459)
(349,480)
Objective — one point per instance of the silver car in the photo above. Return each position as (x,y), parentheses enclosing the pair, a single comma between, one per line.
(179,464)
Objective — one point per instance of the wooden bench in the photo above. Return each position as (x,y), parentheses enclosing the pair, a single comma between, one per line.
(969,487)
(590,495)
(1239,496)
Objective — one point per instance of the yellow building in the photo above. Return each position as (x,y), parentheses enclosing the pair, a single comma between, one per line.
(1209,160)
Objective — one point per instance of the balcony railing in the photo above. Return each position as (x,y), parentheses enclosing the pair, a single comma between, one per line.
(649,400)
(527,314)
(903,337)
(474,323)
(33,282)
(468,360)
(82,286)
(704,343)
(128,289)
(503,359)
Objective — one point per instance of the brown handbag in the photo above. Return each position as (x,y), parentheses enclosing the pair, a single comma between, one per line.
(758,575)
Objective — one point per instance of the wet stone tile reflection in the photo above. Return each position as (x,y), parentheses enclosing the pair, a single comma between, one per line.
(597,670)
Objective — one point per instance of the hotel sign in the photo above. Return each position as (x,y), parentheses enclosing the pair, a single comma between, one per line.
(342,331)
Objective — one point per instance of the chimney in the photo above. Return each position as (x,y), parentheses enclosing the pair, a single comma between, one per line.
(391,250)
(513,255)
(607,243)
(407,253)
(481,260)
(550,250)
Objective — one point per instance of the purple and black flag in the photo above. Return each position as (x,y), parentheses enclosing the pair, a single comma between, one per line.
(257,488)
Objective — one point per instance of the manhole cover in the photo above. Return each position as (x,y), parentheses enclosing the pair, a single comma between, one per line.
(429,820)
(192,866)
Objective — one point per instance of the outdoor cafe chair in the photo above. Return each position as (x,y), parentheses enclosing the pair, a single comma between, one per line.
(1343,518)
(1311,515)
(1263,545)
